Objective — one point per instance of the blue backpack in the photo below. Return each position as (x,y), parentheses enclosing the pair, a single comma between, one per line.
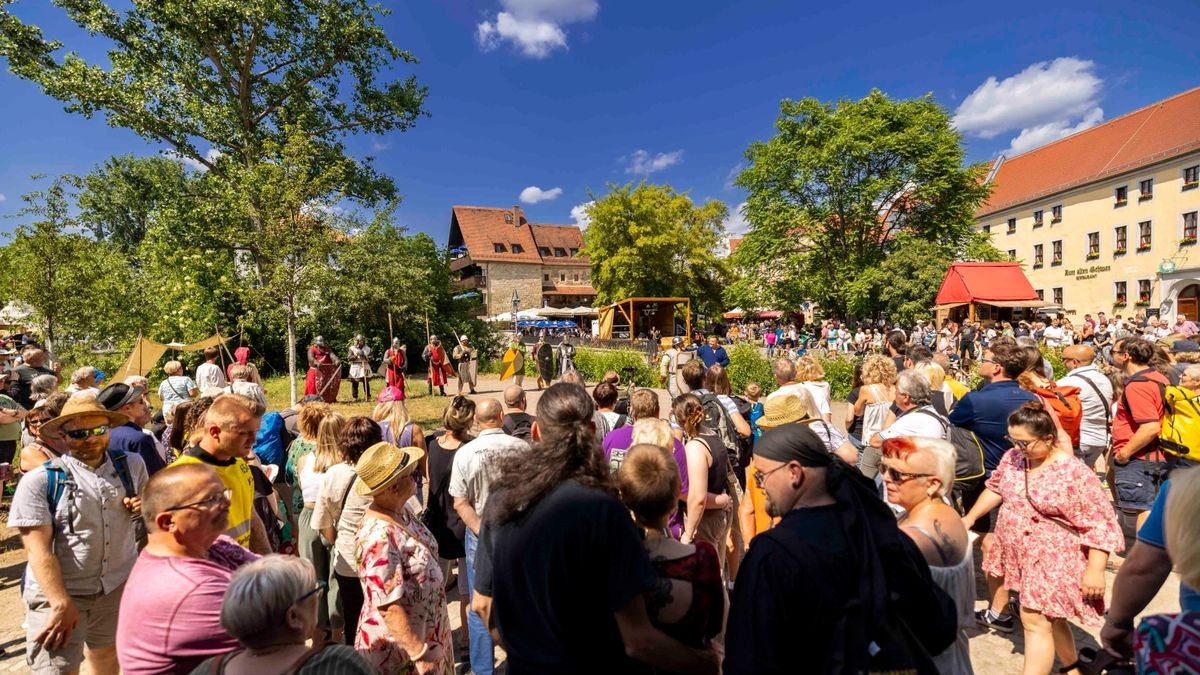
(57,479)
(268,444)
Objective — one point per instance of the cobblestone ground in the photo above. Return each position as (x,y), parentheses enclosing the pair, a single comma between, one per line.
(992,653)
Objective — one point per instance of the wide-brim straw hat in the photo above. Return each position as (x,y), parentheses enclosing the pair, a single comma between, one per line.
(383,464)
(781,410)
(82,406)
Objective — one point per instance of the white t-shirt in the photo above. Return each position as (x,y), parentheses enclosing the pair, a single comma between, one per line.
(210,375)
(914,423)
(1053,336)
(821,398)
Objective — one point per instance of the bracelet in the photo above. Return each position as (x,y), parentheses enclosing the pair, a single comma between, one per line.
(421,654)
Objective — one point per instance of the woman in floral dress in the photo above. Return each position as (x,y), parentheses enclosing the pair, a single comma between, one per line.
(404,626)
(1055,531)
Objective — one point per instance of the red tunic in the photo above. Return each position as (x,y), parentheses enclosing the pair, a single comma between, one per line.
(395,368)
(318,356)
(437,366)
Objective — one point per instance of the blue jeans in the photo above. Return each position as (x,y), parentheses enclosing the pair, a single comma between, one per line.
(483,651)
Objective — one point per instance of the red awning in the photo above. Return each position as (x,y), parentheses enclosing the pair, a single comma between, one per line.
(734,314)
(770,315)
(986,283)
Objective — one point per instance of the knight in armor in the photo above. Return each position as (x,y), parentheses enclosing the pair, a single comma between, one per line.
(324,371)
(566,357)
(359,356)
(439,368)
(465,357)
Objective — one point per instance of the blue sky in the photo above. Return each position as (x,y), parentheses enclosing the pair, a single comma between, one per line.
(565,96)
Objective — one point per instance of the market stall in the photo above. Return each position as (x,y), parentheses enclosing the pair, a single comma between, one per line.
(978,291)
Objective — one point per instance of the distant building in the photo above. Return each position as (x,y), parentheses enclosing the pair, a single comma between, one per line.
(499,251)
(1105,220)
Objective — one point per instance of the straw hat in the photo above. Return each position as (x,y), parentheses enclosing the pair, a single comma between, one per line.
(383,464)
(781,410)
(83,406)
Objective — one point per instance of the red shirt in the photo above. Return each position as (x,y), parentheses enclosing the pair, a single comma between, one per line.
(1141,403)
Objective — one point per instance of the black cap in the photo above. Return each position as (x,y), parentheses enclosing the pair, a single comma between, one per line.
(117,395)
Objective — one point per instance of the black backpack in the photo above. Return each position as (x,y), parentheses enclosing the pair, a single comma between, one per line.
(717,419)
(522,428)
(968,451)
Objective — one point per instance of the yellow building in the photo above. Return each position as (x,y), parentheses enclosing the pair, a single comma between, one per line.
(1105,220)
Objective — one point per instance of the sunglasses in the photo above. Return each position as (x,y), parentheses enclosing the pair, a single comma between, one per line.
(225,496)
(81,434)
(321,585)
(900,477)
(759,476)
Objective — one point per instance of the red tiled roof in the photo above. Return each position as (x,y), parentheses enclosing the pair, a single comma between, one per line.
(981,282)
(1166,129)
(734,243)
(481,228)
(569,290)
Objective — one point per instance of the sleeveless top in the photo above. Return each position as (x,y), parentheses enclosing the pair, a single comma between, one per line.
(310,481)
(701,569)
(959,583)
(875,414)
(719,467)
(439,516)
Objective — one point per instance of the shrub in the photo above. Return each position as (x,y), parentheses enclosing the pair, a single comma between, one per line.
(593,363)
(748,364)
(1054,356)
(839,373)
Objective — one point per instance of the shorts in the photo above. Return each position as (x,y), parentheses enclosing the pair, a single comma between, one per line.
(97,628)
(1137,483)
(8,450)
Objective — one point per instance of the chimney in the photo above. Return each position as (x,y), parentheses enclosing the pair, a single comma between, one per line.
(518,215)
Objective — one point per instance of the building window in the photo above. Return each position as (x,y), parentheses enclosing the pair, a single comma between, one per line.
(1012,225)
(544,251)
(1121,196)
(1037,218)
(560,252)
(1056,296)
(517,248)
(987,229)
(1119,293)
(1119,240)
(1093,251)
(1144,236)
(545,277)
(508,218)
(1041,294)
(1189,228)
(576,278)
(1012,254)
(1037,256)
(499,248)
(574,252)
(1056,213)
(1143,291)
(562,276)
(1145,189)
(1191,177)
(1056,252)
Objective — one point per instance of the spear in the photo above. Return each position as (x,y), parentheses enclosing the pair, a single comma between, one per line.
(429,376)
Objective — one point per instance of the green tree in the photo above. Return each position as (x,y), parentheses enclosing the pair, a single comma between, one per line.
(119,200)
(836,187)
(647,240)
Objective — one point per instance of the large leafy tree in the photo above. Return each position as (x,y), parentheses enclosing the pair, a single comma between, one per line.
(648,240)
(120,200)
(834,191)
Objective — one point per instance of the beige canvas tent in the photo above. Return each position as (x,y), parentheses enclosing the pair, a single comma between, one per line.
(632,316)
(146,354)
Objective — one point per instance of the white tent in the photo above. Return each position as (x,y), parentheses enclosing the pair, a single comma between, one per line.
(529,314)
(502,317)
(584,311)
(555,313)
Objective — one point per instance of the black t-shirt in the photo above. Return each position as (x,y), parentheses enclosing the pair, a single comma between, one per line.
(856,427)
(518,420)
(967,334)
(440,517)
(784,611)
(19,387)
(556,575)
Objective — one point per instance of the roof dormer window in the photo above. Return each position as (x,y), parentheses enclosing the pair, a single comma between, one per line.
(560,252)
(499,248)
(544,251)
(508,218)
(574,252)
(517,248)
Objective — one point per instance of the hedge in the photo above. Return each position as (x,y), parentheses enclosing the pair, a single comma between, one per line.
(747,364)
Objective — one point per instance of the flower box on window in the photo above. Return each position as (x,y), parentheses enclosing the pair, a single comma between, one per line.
(1120,250)
(1120,202)
(1093,256)
(1143,247)
(1038,266)
(1145,195)
(1187,241)
(1056,261)
(1191,184)
(1037,223)
(1056,219)
(1142,303)
(1120,301)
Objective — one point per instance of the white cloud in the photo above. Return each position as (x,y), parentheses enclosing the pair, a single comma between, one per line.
(535,27)
(534,194)
(735,223)
(379,146)
(1042,134)
(3,198)
(580,216)
(733,174)
(1045,92)
(642,163)
(212,155)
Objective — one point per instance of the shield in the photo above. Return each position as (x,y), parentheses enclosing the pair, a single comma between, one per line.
(514,362)
(545,362)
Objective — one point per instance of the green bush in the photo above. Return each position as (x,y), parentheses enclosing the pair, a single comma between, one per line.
(839,373)
(593,363)
(1054,356)
(748,364)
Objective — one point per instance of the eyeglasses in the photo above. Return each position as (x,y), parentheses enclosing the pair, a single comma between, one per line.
(759,476)
(987,361)
(321,585)
(1022,445)
(1117,351)
(901,477)
(80,434)
(225,496)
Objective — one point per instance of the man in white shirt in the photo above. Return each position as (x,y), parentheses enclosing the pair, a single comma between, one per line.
(1096,395)
(209,374)
(1053,334)
(917,417)
(785,376)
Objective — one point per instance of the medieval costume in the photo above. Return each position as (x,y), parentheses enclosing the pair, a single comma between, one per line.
(324,372)
(544,354)
(438,364)
(395,361)
(566,358)
(241,357)
(359,357)
(671,364)
(514,362)
(465,359)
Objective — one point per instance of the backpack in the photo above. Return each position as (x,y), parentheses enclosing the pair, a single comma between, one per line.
(1180,435)
(57,480)
(968,451)
(523,429)
(1067,406)
(717,419)
(268,444)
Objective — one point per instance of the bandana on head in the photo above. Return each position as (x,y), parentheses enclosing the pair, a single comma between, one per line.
(793,442)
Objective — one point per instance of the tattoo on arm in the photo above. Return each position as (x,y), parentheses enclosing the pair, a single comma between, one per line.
(659,597)
(943,543)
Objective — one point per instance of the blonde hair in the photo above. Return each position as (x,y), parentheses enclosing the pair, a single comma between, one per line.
(395,413)
(879,369)
(308,421)
(328,453)
(227,409)
(1179,529)
(808,369)
(935,374)
(239,372)
(173,368)
(652,431)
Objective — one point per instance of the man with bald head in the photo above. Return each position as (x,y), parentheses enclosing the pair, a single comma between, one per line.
(470,483)
(1096,395)
(173,621)
(517,422)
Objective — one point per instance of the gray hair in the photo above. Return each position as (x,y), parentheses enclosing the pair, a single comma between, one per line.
(260,595)
(915,384)
(42,387)
(784,370)
(138,381)
(1026,341)
(943,455)
(83,374)
(1192,371)
(173,368)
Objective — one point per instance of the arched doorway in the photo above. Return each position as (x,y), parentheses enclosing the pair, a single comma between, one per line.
(1188,303)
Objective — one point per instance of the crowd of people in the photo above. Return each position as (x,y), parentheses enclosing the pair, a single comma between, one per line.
(599,531)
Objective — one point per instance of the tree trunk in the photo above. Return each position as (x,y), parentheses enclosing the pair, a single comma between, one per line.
(291,346)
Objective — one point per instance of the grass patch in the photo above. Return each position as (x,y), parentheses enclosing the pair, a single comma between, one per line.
(426,410)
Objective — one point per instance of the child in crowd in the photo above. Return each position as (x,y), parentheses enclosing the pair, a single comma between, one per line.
(753,393)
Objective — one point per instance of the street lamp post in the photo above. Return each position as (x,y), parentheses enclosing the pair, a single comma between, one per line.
(516,300)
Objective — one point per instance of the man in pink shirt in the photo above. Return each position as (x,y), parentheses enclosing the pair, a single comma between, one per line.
(170,620)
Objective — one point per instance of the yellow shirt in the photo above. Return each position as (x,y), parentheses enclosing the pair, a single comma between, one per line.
(957,389)
(235,475)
